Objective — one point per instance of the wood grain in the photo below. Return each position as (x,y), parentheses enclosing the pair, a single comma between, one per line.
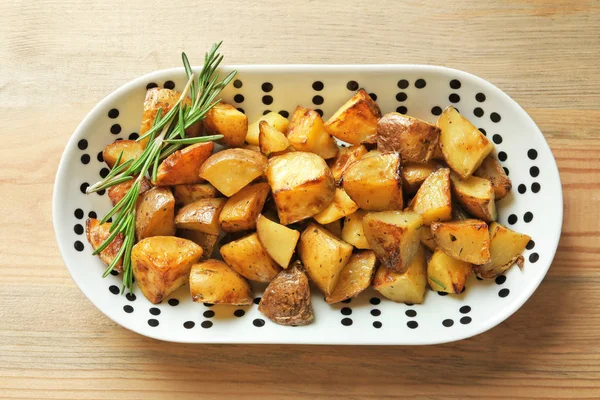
(58,58)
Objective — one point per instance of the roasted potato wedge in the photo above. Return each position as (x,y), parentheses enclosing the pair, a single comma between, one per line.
(161,264)
(375,182)
(506,247)
(242,209)
(458,212)
(394,237)
(433,199)
(307,133)
(324,256)
(247,257)
(302,185)
(130,148)
(491,170)
(277,240)
(186,194)
(182,167)
(427,238)
(413,138)
(270,140)
(447,274)
(117,192)
(286,301)
(464,147)
(467,240)
(252,147)
(476,196)
(232,169)
(204,240)
(414,174)
(355,277)
(335,228)
(341,206)
(96,235)
(343,159)
(201,215)
(274,119)
(155,213)
(356,121)
(353,232)
(212,281)
(224,119)
(408,287)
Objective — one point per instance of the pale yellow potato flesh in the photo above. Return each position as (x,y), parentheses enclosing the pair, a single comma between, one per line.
(466,240)
(341,206)
(274,119)
(355,277)
(408,287)
(353,232)
(278,241)
(447,274)
(248,257)
(433,200)
(212,281)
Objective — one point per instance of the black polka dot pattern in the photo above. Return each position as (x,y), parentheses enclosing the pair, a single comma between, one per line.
(534,257)
(420,83)
(532,154)
(528,216)
(284,114)
(208,324)
(318,86)
(239,313)
(377,324)
(78,229)
(154,311)
(85,159)
(133,136)
(373,96)
(83,187)
(237,84)
(454,98)
(483,131)
(317,100)
(530,245)
(189,324)
(346,311)
(500,279)
(238,98)
(512,219)
(128,309)
(375,312)
(114,289)
(502,156)
(347,301)
(401,96)
(346,321)
(465,320)
(115,129)
(256,300)
(375,300)
(208,304)
(78,245)
(455,84)
(412,324)
(503,292)
(436,110)
(522,188)
(534,171)
(352,85)
(78,213)
(258,322)
(169,85)
(153,322)
(82,144)
(208,314)
(535,187)
(151,85)
(480,97)
(173,302)
(495,117)
(267,100)
(411,313)
(319,111)
(402,110)
(267,87)
(402,83)
(447,323)
(497,139)
(130,296)
(113,113)
(465,309)
(478,112)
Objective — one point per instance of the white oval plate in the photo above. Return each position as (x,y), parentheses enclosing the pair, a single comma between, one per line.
(534,207)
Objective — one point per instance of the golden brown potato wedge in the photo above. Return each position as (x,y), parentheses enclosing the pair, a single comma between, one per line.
(130,148)
(161,264)
(356,121)
(375,182)
(433,199)
(408,287)
(224,119)
(212,281)
(252,147)
(275,120)
(270,140)
(464,147)
(413,138)
(242,209)
(467,240)
(341,206)
(117,192)
(324,256)
(286,301)
(458,212)
(302,185)
(96,235)
(186,194)
(476,196)
(277,240)
(414,174)
(353,232)
(355,277)
(155,213)
(232,169)
(201,215)
(345,157)
(506,247)
(427,238)
(447,274)
(394,237)
(307,133)
(247,257)
(204,240)
(335,228)
(182,167)
(491,170)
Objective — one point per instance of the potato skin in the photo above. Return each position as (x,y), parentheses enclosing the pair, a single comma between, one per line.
(247,257)
(117,192)
(413,138)
(96,235)
(242,209)
(492,170)
(201,215)
(448,271)
(344,158)
(476,196)
(186,194)
(356,121)
(408,287)
(414,174)
(204,240)
(130,148)
(355,277)
(466,240)
(286,301)
(274,119)
(212,281)
(307,133)
(182,167)
(506,248)
(155,214)
(224,119)
(433,199)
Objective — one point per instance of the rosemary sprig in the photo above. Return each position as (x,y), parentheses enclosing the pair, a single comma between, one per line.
(166,136)
(438,282)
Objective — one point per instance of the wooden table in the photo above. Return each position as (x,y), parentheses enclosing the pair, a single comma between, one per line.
(58,58)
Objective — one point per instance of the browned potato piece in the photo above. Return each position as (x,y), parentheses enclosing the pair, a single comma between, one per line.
(335,228)
(201,215)
(204,240)
(247,257)
(374,182)
(161,264)
(274,119)
(232,169)
(271,140)
(212,281)
(224,119)
(408,287)
(491,170)
(302,185)
(447,274)
(506,247)
(307,133)
(130,148)
(467,240)
(96,234)
(252,147)
(476,196)
(186,194)
(117,192)
(433,199)
(341,206)
(413,138)
(356,121)
(242,209)
(427,238)
(155,214)
(353,232)
(324,256)
(345,157)
(464,147)
(286,301)
(458,212)
(394,237)
(414,174)
(182,167)
(277,240)
(355,277)
(437,153)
